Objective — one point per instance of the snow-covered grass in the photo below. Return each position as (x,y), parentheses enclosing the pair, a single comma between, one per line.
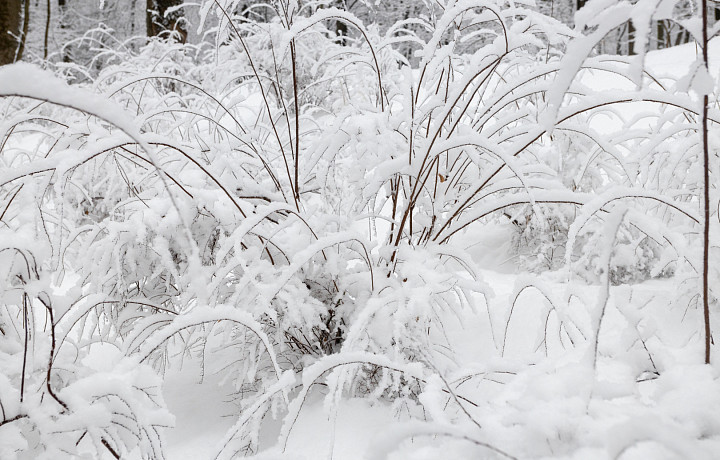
(284,247)
(539,400)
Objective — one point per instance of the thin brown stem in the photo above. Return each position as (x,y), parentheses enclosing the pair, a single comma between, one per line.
(25,349)
(52,355)
(293,57)
(47,30)
(706,193)
(262,93)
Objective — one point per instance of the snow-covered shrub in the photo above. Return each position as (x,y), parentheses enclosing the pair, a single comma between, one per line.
(635,258)
(291,208)
(539,241)
(64,394)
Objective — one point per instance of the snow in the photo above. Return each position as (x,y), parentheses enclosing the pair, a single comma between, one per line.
(365,430)
(28,80)
(203,317)
(203,411)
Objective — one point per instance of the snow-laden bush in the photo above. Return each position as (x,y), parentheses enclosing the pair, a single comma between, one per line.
(292,208)
(62,397)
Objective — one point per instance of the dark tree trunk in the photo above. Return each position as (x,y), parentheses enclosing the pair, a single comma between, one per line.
(631,39)
(661,35)
(149,8)
(62,11)
(9,29)
(158,23)
(682,37)
(26,25)
(341,28)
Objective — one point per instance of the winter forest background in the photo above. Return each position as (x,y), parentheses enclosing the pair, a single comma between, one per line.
(361,229)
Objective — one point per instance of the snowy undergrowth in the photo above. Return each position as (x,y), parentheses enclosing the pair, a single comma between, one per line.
(305,221)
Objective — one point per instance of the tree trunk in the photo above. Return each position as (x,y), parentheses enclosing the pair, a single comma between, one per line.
(62,11)
(26,25)
(149,8)
(158,23)
(341,28)
(133,9)
(9,29)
